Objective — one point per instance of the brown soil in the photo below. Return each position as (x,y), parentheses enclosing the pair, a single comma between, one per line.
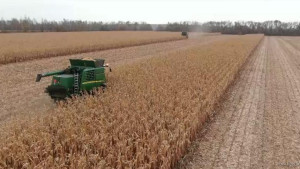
(20,94)
(258,124)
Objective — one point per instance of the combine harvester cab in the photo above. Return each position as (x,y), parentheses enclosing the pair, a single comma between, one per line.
(82,75)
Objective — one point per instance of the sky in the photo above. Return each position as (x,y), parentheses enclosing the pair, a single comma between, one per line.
(152,11)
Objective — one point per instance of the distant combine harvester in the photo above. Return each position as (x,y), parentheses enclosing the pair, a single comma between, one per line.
(185,33)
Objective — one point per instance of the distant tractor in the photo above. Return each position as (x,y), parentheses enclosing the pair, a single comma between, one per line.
(82,75)
(185,33)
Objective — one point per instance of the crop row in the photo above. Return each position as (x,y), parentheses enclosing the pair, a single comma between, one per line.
(17,47)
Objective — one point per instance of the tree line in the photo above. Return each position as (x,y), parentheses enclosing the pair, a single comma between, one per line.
(275,27)
(31,25)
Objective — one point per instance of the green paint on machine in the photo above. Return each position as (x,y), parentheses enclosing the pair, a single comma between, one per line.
(82,75)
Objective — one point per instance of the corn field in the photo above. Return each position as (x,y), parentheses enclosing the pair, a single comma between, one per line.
(17,47)
(146,118)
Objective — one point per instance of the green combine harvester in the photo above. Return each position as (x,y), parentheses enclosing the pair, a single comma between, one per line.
(82,75)
(185,33)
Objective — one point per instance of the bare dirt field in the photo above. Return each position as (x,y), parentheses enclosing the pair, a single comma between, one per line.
(20,94)
(257,126)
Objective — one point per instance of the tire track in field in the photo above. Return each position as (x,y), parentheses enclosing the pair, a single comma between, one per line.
(258,125)
(291,79)
(20,94)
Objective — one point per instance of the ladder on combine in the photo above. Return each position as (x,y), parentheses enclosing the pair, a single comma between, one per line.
(76,83)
